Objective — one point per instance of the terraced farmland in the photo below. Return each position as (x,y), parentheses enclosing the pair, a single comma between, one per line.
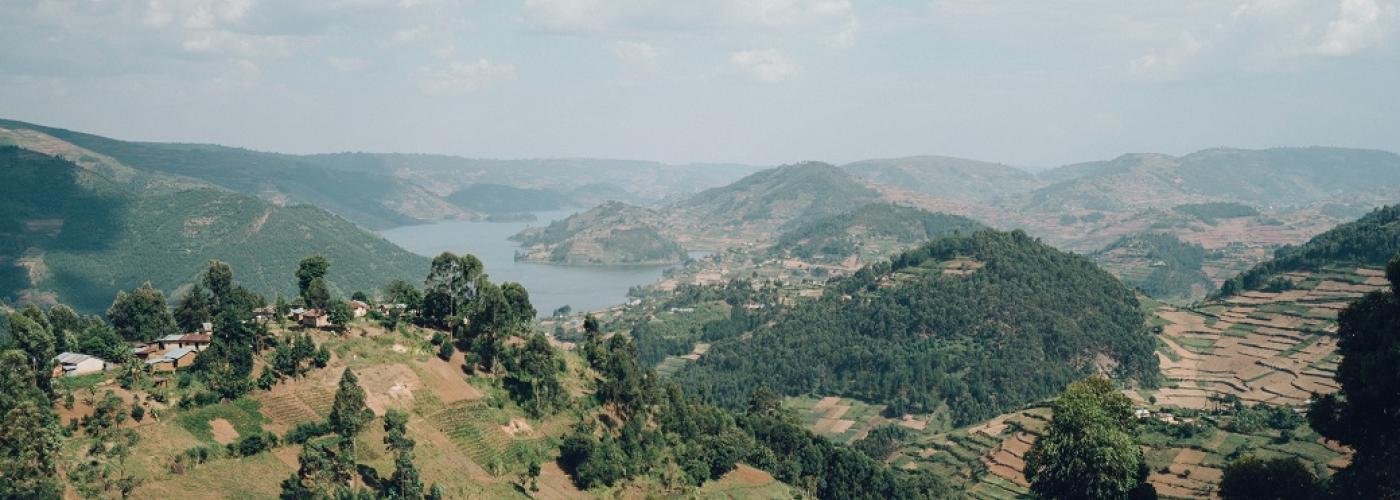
(1263,347)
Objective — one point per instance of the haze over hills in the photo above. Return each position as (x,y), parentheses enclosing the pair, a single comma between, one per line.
(769,201)
(946,177)
(613,233)
(73,235)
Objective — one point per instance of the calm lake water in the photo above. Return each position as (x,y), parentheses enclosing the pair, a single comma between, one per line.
(550,286)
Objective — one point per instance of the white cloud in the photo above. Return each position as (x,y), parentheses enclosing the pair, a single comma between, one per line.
(641,53)
(1170,61)
(765,65)
(464,76)
(1360,25)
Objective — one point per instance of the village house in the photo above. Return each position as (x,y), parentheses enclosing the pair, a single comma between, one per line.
(296,313)
(359,309)
(168,342)
(71,364)
(174,359)
(196,341)
(315,319)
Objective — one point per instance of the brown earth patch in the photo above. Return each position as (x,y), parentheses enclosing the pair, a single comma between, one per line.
(223,431)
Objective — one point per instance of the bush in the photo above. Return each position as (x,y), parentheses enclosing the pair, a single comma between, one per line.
(138,412)
(253,444)
(305,431)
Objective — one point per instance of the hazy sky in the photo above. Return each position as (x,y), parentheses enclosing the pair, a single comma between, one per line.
(1030,82)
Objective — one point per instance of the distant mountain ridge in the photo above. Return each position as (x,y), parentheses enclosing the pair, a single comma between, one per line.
(68,233)
(877,224)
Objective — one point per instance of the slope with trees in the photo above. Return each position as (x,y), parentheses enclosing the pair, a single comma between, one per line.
(875,225)
(947,178)
(80,236)
(1368,241)
(921,335)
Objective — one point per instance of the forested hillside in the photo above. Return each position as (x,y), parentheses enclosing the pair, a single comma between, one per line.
(372,199)
(839,236)
(1159,264)
(1371,241)
(78,235)
(974,325)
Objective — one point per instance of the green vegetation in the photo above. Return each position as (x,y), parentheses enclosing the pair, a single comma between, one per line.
(1089,449)
(1175,266)
(1365,414)
(947,178)
(1210,212)
(89,236)
(373,199)
(906,334)
(1369,241)
(1251,478)
(839,236)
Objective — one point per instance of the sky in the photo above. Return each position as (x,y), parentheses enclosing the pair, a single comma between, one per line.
(1024,82)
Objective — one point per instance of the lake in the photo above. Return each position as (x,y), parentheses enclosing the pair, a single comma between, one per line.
(583,288)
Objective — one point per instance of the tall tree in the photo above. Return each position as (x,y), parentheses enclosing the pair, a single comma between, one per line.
(218,278)
(1365,414)
(227,365)
(65,324)
(405,482)
(141,315)
(1089,450)
(29,438)
(317,295)
(534,377)
(36,342)
(349,413)
(194,309)
(310,268)
(458,278)
(518,298)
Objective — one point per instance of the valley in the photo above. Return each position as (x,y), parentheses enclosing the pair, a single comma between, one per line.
(915,317)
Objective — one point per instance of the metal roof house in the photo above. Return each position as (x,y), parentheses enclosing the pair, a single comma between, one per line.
(72,364)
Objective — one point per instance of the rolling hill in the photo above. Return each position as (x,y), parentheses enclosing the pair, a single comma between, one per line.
(945,177)
(372,199)
(613,233)
(969,325)
(498,199)
(1281,176)
(877,229)
(70,234)
(1158,264)
(1369,241)
(762,204)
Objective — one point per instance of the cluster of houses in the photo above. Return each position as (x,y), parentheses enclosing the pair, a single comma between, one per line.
(173,352)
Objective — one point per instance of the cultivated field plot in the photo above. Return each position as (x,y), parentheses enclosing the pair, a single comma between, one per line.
(487,435)
(1263,347)
(842,420)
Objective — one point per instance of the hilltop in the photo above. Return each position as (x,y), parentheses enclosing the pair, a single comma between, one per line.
(613,233)
(945,177)
(70,234)
(968,325)
(1281,176)
(762,204)
(371,199)
(1158,264)
(878,229)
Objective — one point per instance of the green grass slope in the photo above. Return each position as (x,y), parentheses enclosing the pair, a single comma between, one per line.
(82,237)
(772,200)
(944,177)
(613,233)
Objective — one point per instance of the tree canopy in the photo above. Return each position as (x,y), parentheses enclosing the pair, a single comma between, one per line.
(1089,450)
